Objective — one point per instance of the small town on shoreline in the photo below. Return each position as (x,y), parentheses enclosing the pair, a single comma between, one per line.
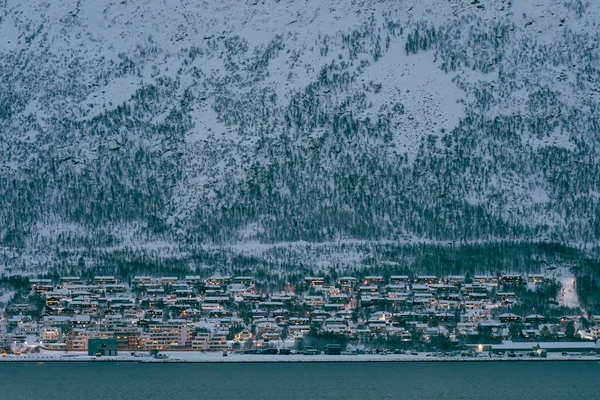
(481,315)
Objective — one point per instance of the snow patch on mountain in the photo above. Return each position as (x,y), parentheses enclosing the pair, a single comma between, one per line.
(567,296)
(423,99)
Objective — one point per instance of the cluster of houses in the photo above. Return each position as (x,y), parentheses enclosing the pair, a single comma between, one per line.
(221,313)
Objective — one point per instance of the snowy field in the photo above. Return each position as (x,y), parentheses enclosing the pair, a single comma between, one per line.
(196,357)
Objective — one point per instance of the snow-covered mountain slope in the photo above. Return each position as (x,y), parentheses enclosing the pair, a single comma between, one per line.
(141,124)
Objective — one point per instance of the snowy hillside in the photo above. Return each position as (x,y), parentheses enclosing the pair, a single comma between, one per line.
(169,127)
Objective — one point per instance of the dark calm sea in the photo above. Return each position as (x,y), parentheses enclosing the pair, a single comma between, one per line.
(461,380)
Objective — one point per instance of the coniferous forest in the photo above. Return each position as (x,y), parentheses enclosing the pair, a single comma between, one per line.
(286,138)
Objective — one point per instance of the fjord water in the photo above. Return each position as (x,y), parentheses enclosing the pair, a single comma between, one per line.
(460,380)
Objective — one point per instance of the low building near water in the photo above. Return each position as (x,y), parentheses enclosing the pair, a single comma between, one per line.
(104,347)
(333,349)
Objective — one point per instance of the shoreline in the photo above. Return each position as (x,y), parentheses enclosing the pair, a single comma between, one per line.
(208,358)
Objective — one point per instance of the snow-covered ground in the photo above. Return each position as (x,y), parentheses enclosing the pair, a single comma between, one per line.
(5,297)
(197,357)
(567,296)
